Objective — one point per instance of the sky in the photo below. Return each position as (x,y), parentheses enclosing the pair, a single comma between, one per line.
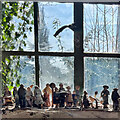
(64,14)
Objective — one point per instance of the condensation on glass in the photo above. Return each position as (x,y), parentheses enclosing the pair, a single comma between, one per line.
(101,71)
(52,16)
(101,28)
(57,70)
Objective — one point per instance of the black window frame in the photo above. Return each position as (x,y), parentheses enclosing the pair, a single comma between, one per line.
(78,53)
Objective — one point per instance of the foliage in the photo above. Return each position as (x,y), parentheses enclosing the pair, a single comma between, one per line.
(17,20)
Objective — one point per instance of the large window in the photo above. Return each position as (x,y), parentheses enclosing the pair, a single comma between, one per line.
(87,56)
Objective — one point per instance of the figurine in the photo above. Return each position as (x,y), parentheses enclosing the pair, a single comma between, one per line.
(29,97)
(16,97)
(62,95)
(85,100)
(22,94)
(47,91)
(69,99)
(104,95)
(74,96)
(115,96)
(38,99)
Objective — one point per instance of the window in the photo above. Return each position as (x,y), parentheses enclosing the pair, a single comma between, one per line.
(101,28)
(18,26)
(100,71)
(19,69)
(81,54)
(101,47)
(51,17)
(57,70)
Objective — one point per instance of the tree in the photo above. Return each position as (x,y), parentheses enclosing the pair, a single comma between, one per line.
(42,31)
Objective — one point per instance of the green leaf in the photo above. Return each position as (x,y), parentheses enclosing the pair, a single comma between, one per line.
(24,43)
(17,82)
(17,35)
(24,36)
(10,87)
(12,27)
(7,60)
(12,47)
(32,22)
(30,28)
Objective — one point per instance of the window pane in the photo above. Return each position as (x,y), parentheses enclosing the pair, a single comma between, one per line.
(57,70)
(21,70)
(101,28)
(101,71)
(18,26)
(28,71)
(52,16)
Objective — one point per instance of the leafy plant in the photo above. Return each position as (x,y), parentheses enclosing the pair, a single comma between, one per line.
(17,21)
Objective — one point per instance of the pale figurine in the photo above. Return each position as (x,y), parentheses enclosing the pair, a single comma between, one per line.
(38,99)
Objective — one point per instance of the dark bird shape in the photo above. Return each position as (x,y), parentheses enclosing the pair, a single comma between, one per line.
(71,26)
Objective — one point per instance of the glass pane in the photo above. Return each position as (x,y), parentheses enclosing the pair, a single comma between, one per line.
(101,71)
(28,71)
(52,16)
(18,26)
(57,70)
(19,70)
(101,28)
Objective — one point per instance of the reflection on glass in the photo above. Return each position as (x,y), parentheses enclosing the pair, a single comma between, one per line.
(101,71)
(52,16)
(101,28)
(57,70)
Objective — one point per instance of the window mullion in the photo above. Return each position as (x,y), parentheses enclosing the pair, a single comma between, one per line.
(78,46)
(36,42)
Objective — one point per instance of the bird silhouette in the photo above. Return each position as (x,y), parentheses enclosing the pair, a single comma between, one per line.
(71,26)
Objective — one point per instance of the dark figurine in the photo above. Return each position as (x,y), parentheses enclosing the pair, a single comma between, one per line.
(104,95)
(56,97)
(115,96)
(22,95)
(62,95)
(85,100)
